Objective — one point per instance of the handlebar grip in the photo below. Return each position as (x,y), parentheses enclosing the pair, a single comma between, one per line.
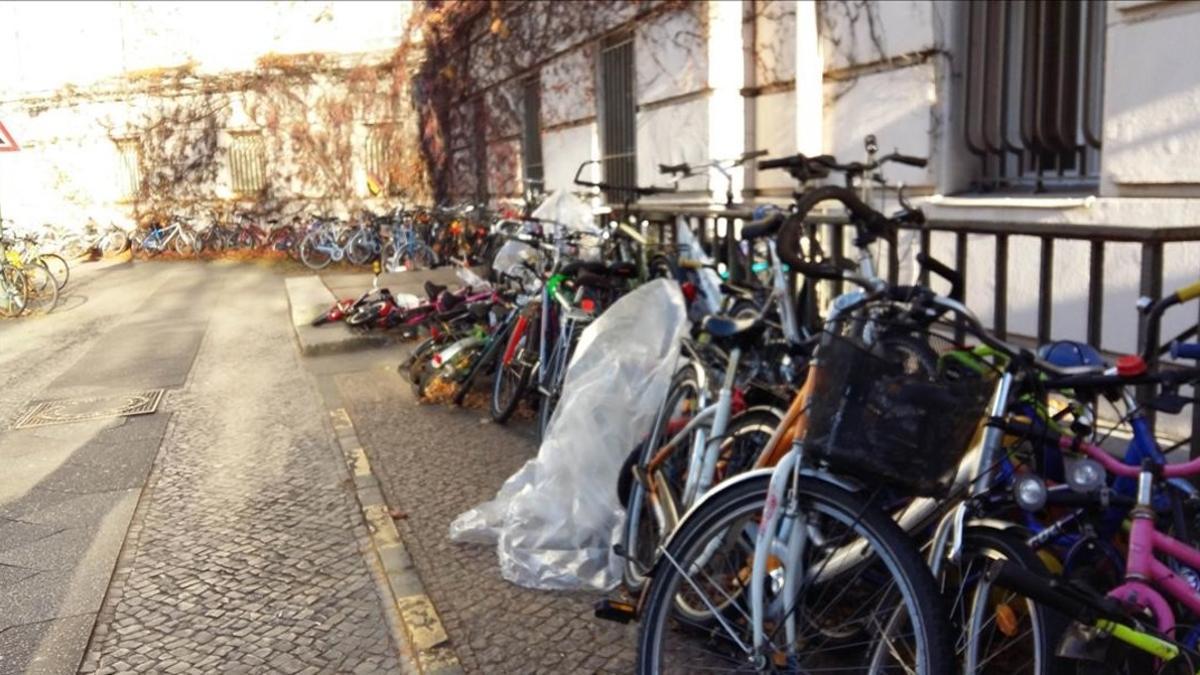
(919,162)
(1185,350)
(754,154)
(780,163)
(763,227)
(1189,292)
(821,270)
(944,271)
(675,168)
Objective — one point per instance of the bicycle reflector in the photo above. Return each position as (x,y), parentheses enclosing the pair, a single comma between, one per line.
(588,305)
(1030,492)
(1085,475)
(1130,366)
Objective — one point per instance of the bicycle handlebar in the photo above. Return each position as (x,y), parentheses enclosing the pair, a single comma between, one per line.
(1154,317)
(1185,350)
(638,190)
(687,169)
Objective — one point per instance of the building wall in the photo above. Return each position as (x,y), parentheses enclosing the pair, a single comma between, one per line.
(184,79)
(819,76)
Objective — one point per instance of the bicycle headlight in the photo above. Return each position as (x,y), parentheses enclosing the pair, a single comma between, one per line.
(1085,475)
(1030,492)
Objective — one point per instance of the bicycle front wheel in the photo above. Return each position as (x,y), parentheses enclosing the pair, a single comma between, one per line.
(43,289)
(999,631)
(14,291)
(880,615)
(57,266)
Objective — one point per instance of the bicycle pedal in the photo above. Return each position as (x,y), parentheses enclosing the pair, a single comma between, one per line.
(615,610)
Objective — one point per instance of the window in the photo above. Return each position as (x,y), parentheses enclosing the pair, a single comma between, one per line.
(618,115)
(129,168)
(247,163)
(1033,101)
(531,133)
(381,158)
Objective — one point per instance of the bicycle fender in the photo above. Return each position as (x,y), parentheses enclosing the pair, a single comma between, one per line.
(763,475)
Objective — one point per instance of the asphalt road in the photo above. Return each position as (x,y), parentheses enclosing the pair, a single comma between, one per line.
(217,534)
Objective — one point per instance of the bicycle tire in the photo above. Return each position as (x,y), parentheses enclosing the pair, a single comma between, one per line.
(739,504)
(43,289)
(418,256)
(488,354)
(982,543)
(184,245)
(640,559)
(114,243)
(311,254)
(502,408)
(14,291)
(358,249)
(58,268)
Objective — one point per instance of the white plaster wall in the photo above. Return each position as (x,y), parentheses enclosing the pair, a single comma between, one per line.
(670,135)
(1152,97)
(563,150)
(669,53)
(775,41)
(857,33)
(895,106)
(46,45)
(775,130)
(569,87)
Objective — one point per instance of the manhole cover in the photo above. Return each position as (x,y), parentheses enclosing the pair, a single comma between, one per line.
(65,411)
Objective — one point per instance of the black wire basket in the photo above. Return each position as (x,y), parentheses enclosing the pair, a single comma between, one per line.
(874,416)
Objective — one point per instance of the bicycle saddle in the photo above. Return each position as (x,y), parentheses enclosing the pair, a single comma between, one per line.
(1077,358)
(734,331)
(432,290)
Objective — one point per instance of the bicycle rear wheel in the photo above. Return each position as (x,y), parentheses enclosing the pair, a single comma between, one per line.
(882,614)
(313,252)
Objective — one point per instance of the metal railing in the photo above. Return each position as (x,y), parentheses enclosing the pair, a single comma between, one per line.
(717,230)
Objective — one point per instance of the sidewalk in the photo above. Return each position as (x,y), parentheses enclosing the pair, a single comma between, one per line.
(435,462)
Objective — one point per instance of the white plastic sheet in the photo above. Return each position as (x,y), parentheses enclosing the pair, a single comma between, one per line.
(710,281)
(470,279)
(554,521)
(567,210)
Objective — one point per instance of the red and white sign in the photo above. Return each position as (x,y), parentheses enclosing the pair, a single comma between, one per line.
(7,144)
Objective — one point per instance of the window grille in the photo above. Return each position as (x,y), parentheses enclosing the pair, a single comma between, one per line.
(1033,101)
(381,158)
(247,163)
(531,137)
(618,115)
(129,168)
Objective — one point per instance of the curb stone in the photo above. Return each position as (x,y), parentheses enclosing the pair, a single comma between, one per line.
(418,618)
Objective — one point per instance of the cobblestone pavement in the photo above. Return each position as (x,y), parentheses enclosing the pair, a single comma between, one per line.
(436,462)
(245,554)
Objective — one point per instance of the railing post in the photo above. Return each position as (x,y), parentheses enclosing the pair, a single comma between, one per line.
(894,261)
(1000,301)
(732,259)
(1046,290)
(923,274)
(1150,287)
(1095,310)
(837,252)
(960,263)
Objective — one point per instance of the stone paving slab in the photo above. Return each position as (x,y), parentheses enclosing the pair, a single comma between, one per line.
(436,462)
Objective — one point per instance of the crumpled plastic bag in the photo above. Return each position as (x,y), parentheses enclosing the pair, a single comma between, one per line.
(710,281)
(514,254)
(555,520)
(569,211)
(470,279)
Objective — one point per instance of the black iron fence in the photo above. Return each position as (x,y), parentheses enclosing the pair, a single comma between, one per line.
(717,230)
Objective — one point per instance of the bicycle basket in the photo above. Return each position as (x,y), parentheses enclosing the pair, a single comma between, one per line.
(871,417)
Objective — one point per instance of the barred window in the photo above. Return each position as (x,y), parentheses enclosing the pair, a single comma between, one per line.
(1033,100)
(618,114)
(129,168)
(531,132)
(247,163)
(380,159)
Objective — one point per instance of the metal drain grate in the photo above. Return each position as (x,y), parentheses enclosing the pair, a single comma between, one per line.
(66,411)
